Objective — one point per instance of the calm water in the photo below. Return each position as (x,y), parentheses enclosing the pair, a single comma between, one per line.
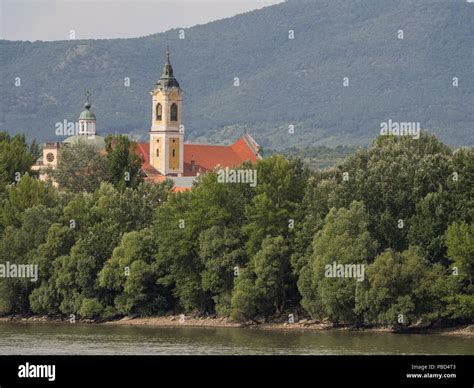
(50,338)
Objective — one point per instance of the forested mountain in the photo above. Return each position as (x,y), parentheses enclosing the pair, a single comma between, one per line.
(282,81)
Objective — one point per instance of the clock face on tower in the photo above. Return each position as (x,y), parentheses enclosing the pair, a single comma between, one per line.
(50,157)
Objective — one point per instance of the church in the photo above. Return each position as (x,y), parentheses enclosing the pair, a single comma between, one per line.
(166,155)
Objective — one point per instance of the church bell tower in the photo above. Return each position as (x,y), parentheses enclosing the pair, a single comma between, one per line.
(166,133)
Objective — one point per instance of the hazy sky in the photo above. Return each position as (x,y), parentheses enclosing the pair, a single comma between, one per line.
(54,19)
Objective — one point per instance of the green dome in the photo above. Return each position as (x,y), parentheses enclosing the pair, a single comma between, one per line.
(87,114)
(97,141)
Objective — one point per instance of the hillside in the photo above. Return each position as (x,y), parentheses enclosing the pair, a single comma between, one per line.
(282,81)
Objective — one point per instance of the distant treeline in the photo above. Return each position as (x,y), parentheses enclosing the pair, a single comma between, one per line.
(316,157)
(401,212)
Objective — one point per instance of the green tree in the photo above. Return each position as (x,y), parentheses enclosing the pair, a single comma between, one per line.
(131,274)
(81,167)
(451,202)
(247,298)
(177,228)
(18,246)
(13,290)
(16,157)
(428,224)
(281,186)
(460,243)
(27,193)
(344,239)
(91,308)
(318,199)
(123,162)
(400,289)
(222,254)
(461,184)
(391,178)
(97,223)
(263,290)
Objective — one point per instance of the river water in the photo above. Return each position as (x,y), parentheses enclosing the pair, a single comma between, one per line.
(52,338)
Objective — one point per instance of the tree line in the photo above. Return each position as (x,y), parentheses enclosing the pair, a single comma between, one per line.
(107,246)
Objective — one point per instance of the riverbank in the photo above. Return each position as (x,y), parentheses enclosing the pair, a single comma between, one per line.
(215,322)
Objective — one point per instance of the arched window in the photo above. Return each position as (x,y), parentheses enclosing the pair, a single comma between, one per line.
(159,112)
(174,112)
(174,153)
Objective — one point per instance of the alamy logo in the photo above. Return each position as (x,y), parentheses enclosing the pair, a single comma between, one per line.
(37,371)
(12,270)
(335,270)
(67,128)
(71,128)
(402,128)
(237,176)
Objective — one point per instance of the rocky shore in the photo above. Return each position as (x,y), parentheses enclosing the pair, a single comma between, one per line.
(223,322)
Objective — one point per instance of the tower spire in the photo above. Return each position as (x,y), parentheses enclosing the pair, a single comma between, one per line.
(167,79)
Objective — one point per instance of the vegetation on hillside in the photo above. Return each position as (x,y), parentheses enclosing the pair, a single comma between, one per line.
(283,81)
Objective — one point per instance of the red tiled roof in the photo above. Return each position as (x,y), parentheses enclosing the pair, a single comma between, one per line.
(143,149)
(206,157)
(247,148)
